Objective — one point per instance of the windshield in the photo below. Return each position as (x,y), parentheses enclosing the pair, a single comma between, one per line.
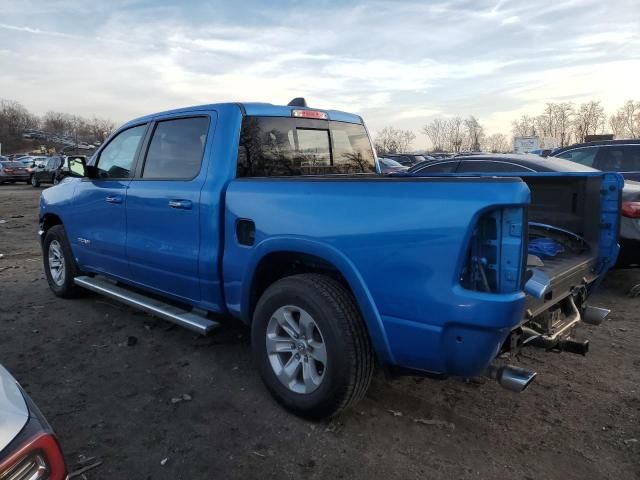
(277,146)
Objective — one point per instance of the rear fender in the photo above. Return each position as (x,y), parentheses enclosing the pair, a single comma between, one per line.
(341,263)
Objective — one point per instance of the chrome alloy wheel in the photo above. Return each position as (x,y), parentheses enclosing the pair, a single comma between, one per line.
(56,262)
(296,349)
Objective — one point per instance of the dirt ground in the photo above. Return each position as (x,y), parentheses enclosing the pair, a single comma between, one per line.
(108,399)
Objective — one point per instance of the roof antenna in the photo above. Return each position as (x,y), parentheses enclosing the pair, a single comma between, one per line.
(297,102)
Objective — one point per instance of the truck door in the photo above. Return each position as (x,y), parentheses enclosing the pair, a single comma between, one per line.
(164,207)
(98,226)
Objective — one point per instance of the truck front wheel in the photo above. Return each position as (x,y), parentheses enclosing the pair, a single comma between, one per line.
(59,265)
(311,345)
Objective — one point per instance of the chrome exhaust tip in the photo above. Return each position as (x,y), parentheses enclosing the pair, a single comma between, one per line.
(594,315)
(515,379)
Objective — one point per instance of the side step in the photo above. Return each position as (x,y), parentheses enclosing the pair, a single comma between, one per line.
(193,321)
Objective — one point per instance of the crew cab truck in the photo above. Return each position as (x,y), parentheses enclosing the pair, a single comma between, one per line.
(276,215)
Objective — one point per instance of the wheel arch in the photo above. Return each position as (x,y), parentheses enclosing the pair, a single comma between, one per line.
(47,221)
(278,258)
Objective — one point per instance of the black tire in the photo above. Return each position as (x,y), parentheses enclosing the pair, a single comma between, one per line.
(35,183)
(54,179)
(350,359)
(12,181)
(65,287)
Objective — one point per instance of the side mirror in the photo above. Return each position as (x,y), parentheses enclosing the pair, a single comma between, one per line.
(77,167)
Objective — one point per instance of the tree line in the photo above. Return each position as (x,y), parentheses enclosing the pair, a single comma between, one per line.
(15,120)
(565,122)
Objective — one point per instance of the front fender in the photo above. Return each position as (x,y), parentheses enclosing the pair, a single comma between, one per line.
(330,254)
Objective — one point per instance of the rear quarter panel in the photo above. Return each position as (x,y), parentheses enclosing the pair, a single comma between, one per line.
(400,245)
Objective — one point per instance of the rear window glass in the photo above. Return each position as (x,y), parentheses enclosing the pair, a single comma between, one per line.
(583,156)
(622,158)
(277,146)
(11,164)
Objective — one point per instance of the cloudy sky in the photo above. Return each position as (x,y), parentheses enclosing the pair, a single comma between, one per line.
(396,63)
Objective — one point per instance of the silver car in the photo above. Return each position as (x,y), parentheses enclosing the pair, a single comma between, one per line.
(29,449)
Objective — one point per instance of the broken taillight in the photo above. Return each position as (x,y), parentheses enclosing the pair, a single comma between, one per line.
(631,209)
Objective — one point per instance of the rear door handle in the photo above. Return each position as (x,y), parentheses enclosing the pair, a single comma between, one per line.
(180,204)
(114,199)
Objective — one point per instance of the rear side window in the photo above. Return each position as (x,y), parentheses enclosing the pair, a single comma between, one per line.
(278,146)
(583,156)
(622,158)
(480,166)
(176,148)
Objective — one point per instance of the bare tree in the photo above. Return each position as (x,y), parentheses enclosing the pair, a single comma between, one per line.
(100,128)
(475,133)
(436,131)
(390,140)
(589,119)
(454,134)
(14,119)
(496,143)
(524,126)
(629,115)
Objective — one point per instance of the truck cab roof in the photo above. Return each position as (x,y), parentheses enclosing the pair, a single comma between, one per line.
(254,109)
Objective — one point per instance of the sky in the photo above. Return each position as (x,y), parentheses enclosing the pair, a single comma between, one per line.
(398,63)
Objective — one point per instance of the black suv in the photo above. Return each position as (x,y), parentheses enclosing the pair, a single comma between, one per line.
(607,155)
(50,171)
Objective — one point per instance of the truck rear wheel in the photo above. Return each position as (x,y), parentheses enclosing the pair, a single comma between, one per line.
(59,265)
(311,345)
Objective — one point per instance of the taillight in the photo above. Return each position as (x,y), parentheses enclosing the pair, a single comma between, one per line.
(494,260)
(38,459)
(631,209)
(310,114)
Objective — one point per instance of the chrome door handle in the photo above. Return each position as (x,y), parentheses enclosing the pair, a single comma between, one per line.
(113,199)
(180,204)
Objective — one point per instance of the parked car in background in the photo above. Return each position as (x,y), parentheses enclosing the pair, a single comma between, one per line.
(13,172)
(515,163)
(29,449)
(30,160)
(388,166)
(543,152)
(51,171)
(294,234)
(406,159)
(607,155)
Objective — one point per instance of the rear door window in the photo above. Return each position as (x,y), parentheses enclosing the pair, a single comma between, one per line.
(176,149)
(583,156)
(619,158)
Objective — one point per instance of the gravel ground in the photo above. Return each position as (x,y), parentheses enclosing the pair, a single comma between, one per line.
(112,400)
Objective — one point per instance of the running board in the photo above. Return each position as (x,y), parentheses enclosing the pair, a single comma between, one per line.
(192,320)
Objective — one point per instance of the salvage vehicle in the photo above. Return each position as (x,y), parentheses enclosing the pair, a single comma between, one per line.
(29,449)
(629,255)
(13,172)
(278,216)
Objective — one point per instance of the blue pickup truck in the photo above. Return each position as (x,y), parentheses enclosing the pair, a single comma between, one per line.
(277,215)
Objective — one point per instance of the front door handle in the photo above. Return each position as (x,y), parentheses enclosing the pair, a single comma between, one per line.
(114,199)
(180,204)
